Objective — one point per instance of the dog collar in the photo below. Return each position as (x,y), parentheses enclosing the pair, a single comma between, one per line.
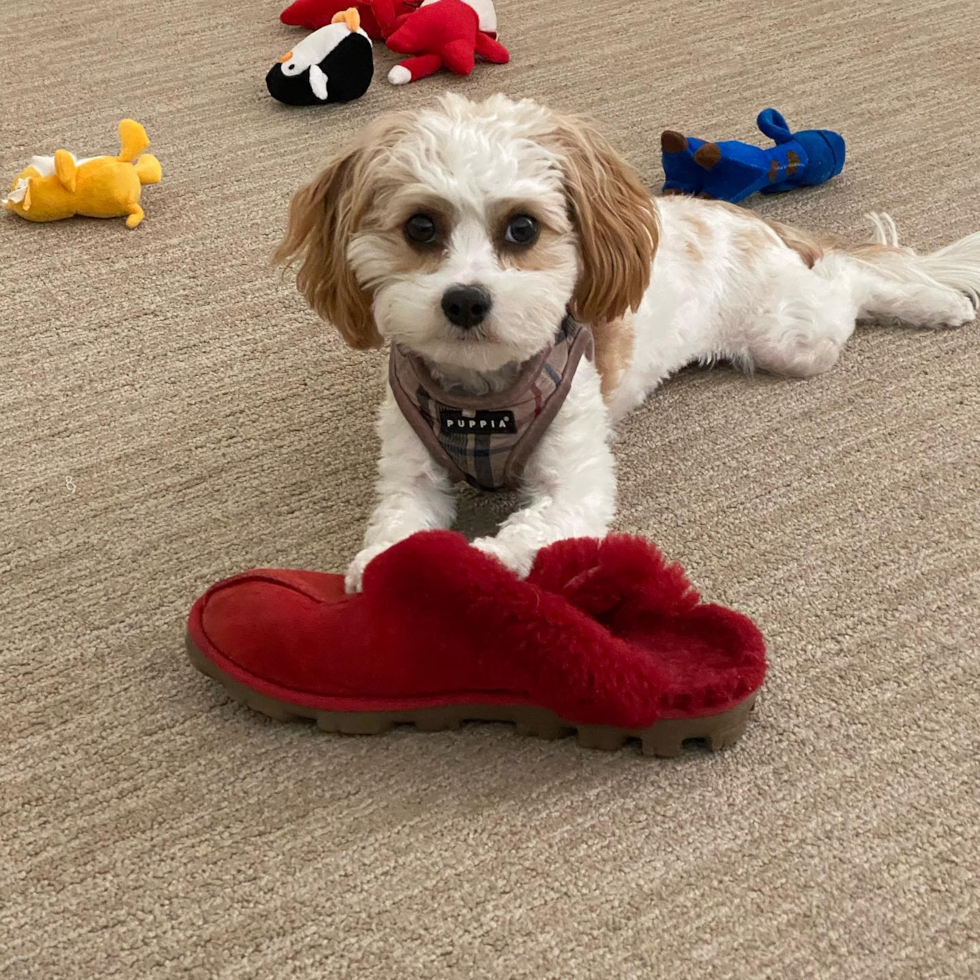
(486,440)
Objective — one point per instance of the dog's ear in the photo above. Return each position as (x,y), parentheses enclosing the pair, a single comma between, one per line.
(615,219)
(322,217)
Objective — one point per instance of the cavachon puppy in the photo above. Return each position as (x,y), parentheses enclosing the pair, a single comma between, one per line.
(533,292)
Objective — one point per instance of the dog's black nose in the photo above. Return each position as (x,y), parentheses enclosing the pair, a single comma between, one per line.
(466,306)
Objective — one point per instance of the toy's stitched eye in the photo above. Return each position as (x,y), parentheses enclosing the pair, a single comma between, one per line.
(421,229)
(522,229)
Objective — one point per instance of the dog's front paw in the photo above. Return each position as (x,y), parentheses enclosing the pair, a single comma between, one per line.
(517,558)
(353,580)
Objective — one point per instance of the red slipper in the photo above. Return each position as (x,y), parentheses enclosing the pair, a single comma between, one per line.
(604,637)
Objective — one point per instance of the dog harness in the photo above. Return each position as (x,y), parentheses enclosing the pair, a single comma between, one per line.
(486,440)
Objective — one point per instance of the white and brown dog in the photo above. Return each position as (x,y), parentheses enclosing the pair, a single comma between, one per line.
(476,237)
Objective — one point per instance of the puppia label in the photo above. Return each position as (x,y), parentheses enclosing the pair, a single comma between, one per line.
(453,422)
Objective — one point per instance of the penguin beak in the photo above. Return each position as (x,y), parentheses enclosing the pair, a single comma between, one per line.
(285,58)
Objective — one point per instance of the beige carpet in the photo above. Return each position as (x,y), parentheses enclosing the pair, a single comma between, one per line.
(149,828)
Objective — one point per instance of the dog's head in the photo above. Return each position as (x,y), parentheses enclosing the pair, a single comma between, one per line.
(467,231)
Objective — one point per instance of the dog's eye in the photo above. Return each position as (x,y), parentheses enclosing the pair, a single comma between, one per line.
(522,229)
(421,229)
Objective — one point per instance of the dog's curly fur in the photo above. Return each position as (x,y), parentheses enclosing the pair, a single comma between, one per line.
(662,283)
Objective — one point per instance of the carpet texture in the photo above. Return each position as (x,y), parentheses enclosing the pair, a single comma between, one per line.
(149,828)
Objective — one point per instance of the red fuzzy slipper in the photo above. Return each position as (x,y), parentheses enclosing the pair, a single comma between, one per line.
(604,637)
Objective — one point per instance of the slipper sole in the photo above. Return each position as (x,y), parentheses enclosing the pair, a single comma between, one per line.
(666,738)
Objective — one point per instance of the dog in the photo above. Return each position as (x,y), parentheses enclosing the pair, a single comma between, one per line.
(481,238)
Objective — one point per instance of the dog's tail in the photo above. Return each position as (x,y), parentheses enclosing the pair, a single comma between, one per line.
(956,266)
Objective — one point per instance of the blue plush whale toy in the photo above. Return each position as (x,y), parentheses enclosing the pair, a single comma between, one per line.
(731,171)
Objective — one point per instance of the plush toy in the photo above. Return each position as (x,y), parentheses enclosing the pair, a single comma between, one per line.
(333,64)
(314,14)
(731,171)
(441,33)
(52,188)
(604,636)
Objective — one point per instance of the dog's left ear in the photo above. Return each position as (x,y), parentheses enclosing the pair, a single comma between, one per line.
(616,222)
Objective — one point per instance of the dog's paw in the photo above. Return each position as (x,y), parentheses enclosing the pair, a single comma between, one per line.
(963,313)
(354,579)
(949,311)
(519,559)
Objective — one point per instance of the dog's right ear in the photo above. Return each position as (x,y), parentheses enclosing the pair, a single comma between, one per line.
(321,221)
(323,216)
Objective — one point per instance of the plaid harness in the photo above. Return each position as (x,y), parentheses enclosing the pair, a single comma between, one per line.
(486,439)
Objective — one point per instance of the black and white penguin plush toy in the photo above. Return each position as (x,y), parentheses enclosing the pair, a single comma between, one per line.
(333,64)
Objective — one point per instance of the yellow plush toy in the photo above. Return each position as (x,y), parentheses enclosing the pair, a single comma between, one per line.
(58,187)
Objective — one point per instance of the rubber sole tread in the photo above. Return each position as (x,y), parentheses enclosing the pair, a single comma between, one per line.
(666,738)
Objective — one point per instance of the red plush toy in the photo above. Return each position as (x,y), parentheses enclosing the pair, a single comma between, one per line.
(440,34)
(314,14)
(603,636)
